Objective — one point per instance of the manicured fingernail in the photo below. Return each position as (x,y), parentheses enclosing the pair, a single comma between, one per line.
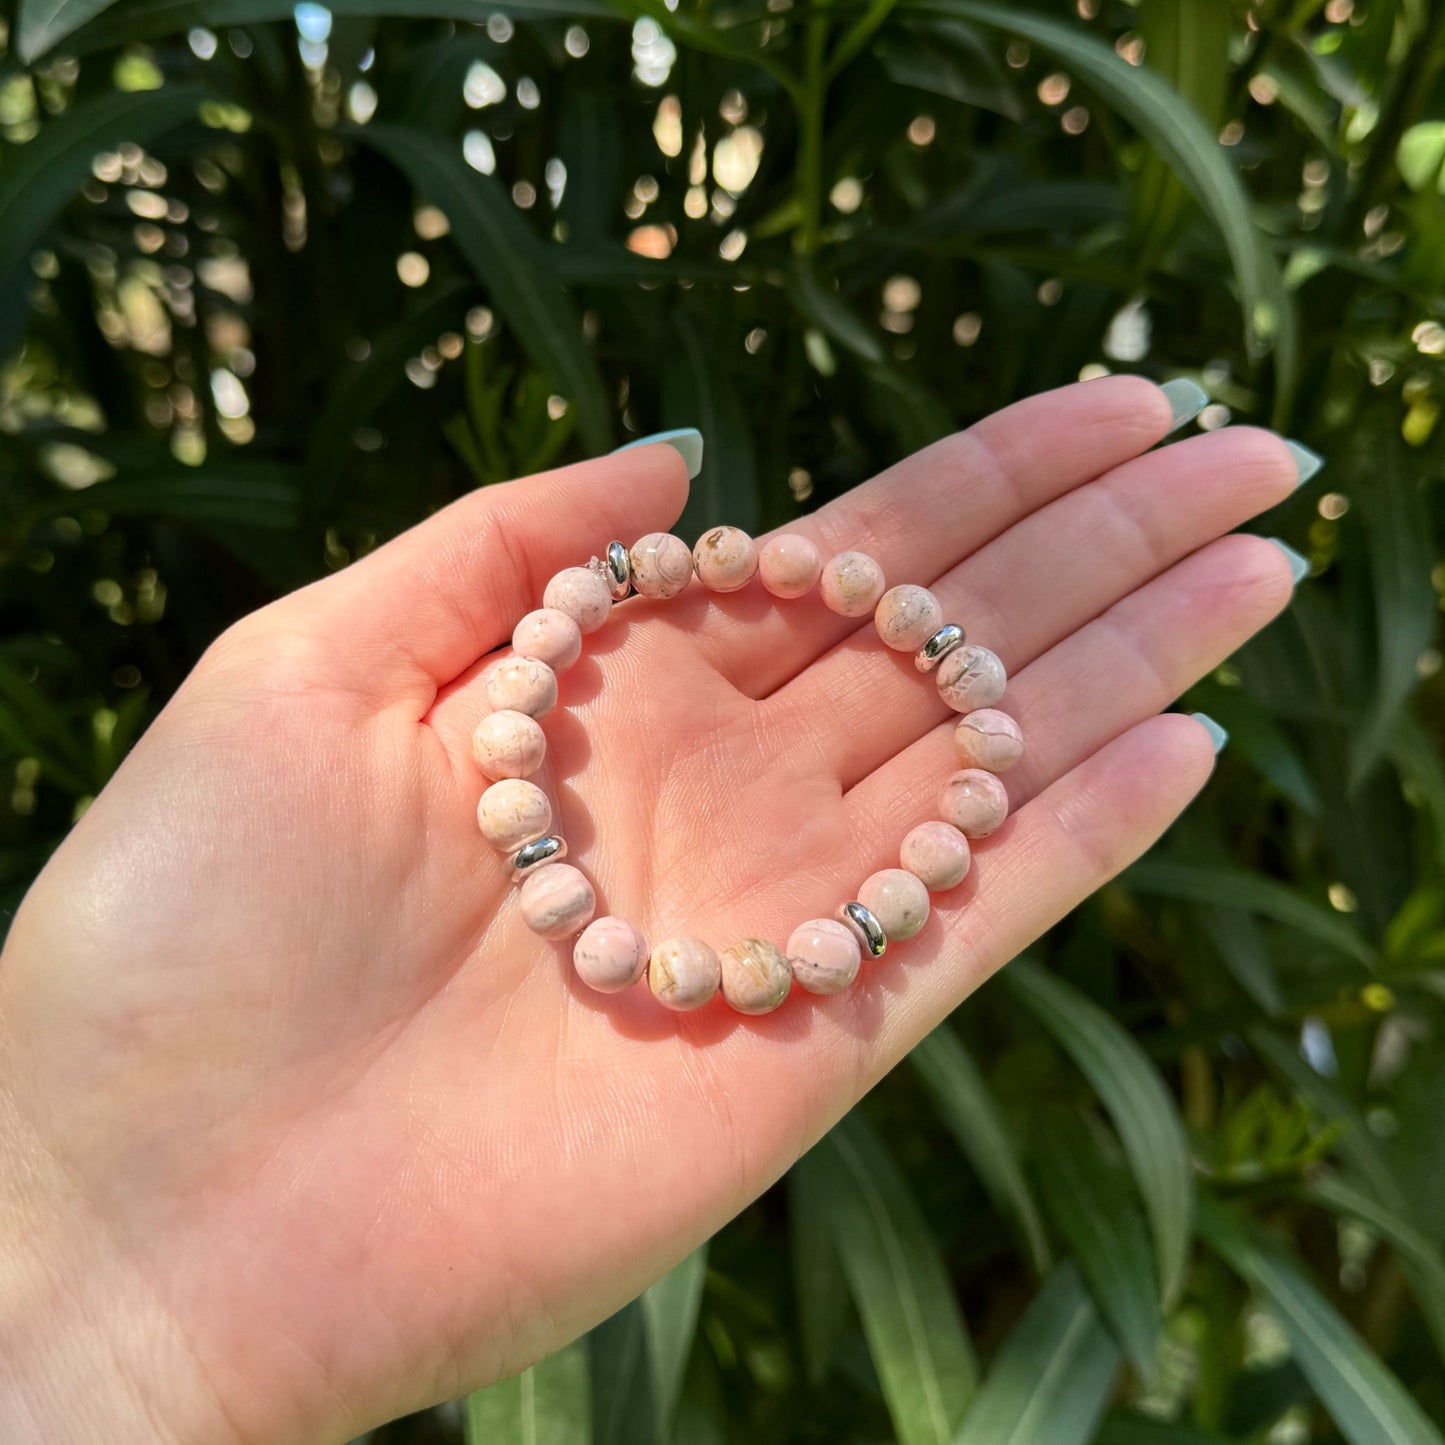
(1299,567)
(1306,462)
(686,441)
(1186,400)
(1217,734)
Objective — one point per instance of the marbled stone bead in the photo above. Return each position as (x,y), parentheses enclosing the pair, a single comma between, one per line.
(937,853)
(756,975)
(582,594)
(522,684)
(970,677)
(509,744)
(897,899)
(974,801)
(548,636)
(513,812)
(556,900)
(851,584)
(789,564)
(907,616)
(610,955)
(683,973)
(988,739)
(725,559)
(824,955)
(661,565)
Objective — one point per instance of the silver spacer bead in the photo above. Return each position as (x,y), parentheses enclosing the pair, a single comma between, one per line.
(539,851)
(949,636)
(865,926)
(619,571)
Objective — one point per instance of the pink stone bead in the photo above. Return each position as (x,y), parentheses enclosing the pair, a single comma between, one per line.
(725,559)
(610,956)
(513,812)
(851,584)
(824,954)
(937,853)
(789,564)
(988,739)
(661,565)
(509,744)
(582,594)
(897,899)
(906,617)
(974,801)
(522,684)
(756,975)
(548,636)
(683,973)
(556,900)
(970,677)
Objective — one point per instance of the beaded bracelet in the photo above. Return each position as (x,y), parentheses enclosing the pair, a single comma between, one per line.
(823,955)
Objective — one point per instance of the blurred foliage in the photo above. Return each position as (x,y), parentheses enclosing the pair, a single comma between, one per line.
(274,284)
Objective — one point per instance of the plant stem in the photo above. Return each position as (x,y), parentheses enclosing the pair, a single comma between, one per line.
(810,98)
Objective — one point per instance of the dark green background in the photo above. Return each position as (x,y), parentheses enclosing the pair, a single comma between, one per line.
(1115,1202)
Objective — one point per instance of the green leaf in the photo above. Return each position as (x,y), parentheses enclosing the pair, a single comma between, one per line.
(511,262)
(968,1108)
(1364,1399)
(820,1289)
(622,1393)
(1397,533)
(1227,887)
(1094,1205)
(698,391)
(226,492)
(899,1284)
(131,20)
(820,303)
(1181,137)
(1140,1106)
(31,725)
(1423,1260)
(1143,1430)
(669,1311)
(40,176)
(548,1402)
(1053,1376)
(41,23)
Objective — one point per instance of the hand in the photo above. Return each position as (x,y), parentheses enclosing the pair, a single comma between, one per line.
(303,1128)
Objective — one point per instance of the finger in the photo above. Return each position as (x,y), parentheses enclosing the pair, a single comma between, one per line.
(1031,587)
(1080,832)
(411,616)
(1118,670)
(923,515)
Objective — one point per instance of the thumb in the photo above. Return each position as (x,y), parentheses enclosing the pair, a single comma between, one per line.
(420,610)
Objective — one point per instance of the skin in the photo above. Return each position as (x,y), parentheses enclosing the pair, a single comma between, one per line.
(300,1128)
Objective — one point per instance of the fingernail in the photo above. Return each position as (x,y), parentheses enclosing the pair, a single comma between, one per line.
(1217,734)
(1299,567)
(1306,462)
(1186,400)
(686,441)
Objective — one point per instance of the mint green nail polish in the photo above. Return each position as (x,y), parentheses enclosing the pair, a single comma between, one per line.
(1217,734)
(1306,462)
(686,441)
(1299,567)
(1186,400)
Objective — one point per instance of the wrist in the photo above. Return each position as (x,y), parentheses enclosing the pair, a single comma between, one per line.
(88,1350)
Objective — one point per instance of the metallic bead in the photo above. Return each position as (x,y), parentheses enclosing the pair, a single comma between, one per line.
(537,852)
(867,928)
(619,571)
(949,636)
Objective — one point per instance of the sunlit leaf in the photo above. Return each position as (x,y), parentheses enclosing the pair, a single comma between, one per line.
(898,1281)
(1366,1401)
(968,1108)
(1052,1378)
(1137,1101)
(547,1402)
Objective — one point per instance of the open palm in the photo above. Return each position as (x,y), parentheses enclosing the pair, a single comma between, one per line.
(328,1134)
